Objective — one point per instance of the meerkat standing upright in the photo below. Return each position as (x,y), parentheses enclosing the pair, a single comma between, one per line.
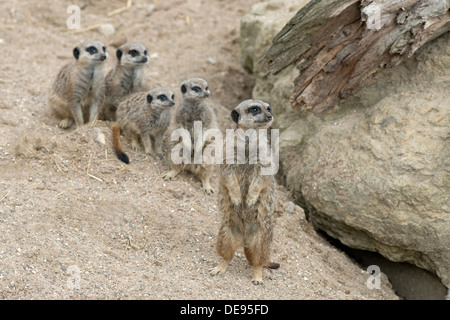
(145,115)
(78,89)
(246,198)
(125,78)
(194,107)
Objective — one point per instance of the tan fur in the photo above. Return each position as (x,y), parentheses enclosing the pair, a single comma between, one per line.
(78,89)
(246,199)
(125,78)
(194,107)
(144,116)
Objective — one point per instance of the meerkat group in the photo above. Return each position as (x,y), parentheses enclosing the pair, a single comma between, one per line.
(81,93)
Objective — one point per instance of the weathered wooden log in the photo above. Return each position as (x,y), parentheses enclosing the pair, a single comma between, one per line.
(337,44)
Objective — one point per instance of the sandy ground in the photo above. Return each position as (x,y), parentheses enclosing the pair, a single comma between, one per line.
(76,223)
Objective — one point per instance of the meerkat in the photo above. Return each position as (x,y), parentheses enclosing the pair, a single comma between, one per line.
(144,115)
(246,199)
(78,89)
(193,107)
(125,78)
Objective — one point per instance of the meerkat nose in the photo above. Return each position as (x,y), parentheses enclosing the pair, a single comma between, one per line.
(268,116)
(144,59)
(207,93)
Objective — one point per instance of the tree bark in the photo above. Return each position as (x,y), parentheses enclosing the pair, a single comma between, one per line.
(337,44)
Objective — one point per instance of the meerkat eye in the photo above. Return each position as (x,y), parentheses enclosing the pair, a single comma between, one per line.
(269,109)
(133,53)
(104,49)
(254,110)
(196,89)
(162,97)
(92,50)
(207,88)
(145,52)
(173,97)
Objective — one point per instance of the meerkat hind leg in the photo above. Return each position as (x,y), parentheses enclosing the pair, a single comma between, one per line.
(257,275)
(205,177)
(257,253)
(227,243)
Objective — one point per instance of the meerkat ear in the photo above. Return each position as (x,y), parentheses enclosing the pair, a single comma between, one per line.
(119,54)
(183,89)
(76,53)
(235,116)
(149,98)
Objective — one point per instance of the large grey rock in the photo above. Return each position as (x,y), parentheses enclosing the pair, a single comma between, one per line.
(375,171)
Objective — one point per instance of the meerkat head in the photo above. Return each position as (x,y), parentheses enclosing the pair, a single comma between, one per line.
(133,55)
(194,89)
(91,52)
(161,98)
(253,114)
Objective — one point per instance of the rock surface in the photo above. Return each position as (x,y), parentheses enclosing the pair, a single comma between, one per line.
(373,172)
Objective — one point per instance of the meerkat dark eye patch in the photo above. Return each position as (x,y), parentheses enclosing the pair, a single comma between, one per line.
(269,109)
(76,53)
(149,98)
(162,97)
(145,52)
(254,110)
(183,89)
(133,53)
(235,116)
(104,49)
(207,88)
(196,89)
(119,54)
(173,97)
(92,50)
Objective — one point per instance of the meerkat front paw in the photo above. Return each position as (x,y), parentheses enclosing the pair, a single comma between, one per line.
(251,201)
(236,201)
(65,123)
(135,147)
(170,175)
(156,156)
(208,190)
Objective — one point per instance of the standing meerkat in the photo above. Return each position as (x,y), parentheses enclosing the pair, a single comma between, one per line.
(125,78)
(144,115)
(78,89)
(194,107)
(246,199)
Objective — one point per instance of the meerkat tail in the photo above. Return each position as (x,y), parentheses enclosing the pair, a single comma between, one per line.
(117,145)
(272,265)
